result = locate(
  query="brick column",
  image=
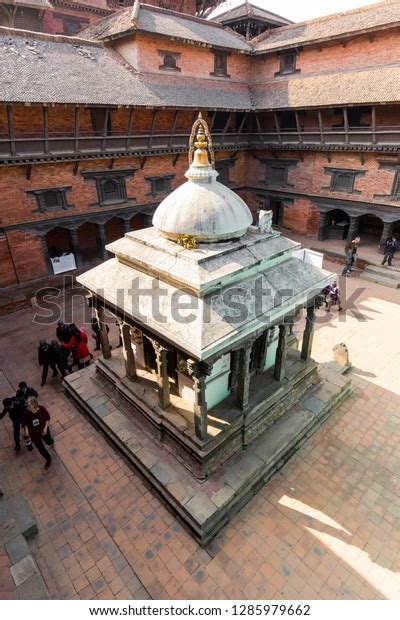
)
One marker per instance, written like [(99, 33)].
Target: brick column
[(308, 335), (46, 254), (323, 219), (199, 372), (101, 241), (387, 231), (104, 342), (73, 238), (353, 228), (281, 352), (129, 356), (243, 388)]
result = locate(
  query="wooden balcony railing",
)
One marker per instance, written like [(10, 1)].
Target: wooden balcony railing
[(31, 146)]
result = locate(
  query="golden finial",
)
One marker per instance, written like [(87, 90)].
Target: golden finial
[(200, 139)]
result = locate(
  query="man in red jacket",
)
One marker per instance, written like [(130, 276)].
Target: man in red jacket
[(36, 425)]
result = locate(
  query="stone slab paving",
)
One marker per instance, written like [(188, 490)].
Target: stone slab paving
[(326, 526)]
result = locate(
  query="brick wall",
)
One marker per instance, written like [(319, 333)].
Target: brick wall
[(141, 51), (361, 51)]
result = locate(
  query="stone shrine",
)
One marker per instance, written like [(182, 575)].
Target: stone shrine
[(209, 395)]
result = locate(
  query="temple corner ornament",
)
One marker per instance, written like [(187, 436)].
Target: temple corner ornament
[(265, 221), (189, 242)]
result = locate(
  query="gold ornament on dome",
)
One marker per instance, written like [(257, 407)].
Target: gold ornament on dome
[(189, 242), (200, 144)]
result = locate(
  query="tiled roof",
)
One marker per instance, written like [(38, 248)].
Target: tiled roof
[(359, 86), (383, 14), (166, 23), (34, 4), (250, 10), (48, 69)]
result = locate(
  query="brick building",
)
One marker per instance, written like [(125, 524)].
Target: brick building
[(93, 130)]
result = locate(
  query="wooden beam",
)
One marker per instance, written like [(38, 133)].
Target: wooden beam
[(259, 128), (105, 127), (28, 172), (76, 168), (298, 126), (46, 128), (11, 135), (321, 127), (373, 123), (212, 121), (171, 136), (111, 164), (346, 125), (76, 131), (278, 129), (152, 126), (225, 130), (175, 159), (129, 130), (244, 119), (142, 162), (328, 156)]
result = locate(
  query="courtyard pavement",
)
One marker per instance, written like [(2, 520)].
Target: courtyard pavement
[(327, 526)]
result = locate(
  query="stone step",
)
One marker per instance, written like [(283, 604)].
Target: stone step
[(385, 272), (205, 506), (370, 276)]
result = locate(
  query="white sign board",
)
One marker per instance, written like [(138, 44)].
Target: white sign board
[(63, 263), (309, 256)]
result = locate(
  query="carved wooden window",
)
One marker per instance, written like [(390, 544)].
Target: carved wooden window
[(288, 63), (277, 175), (71, 26), (223, 167), (160, 185), (342, 182), (50, 199), (169, 60), (111, 190), (220, 64)]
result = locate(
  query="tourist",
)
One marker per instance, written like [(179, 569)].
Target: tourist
[(36, 426), (350, 256), (16, 410), (57, 355), (96, 333), (25, 392), (389, 249), (63, 333), (46, 359), (78, 345), (332, 297)]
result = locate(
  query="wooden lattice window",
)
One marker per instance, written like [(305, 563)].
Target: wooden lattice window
[(288, 62), (220, 64), (169, 60)]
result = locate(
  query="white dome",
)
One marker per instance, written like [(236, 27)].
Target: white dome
[(203, 208)]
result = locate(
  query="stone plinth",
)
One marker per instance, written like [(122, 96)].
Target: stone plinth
[(206, 506)]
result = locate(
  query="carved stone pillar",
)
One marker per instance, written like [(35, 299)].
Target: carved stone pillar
[(104, 342), (101, 241), (126, 225), (129, 356), (387, 231), (162, 374), (353, 228), (281, 352), (233, 379), (73, 239), (308, 334), (199, 372), (243, 388), (323, 220)]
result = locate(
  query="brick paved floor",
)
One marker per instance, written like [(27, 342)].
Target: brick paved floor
[(327, 526)]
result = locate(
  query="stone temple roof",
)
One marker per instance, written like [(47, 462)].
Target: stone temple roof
[(157, 21), (34, 4), (203, 280)]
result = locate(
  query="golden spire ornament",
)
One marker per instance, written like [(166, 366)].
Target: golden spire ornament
[(200, 144)]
